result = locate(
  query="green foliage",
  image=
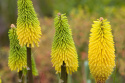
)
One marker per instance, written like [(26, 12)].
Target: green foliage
[(17, 56), (89, 6), (34, 69), (59, 5), (8, 6), (46, 7)]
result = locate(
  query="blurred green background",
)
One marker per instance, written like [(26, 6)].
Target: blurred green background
[(81, 14)]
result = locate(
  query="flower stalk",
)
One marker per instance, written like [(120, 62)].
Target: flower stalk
[(64, 73), (21, 78), (29, 66)]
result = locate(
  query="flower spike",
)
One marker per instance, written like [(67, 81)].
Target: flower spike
[(28, 26), (101, 55), (17, 56), (63, 48)]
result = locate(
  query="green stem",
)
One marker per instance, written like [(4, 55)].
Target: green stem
[(21, 80), (69, 78), (29, 66), (64, 73)]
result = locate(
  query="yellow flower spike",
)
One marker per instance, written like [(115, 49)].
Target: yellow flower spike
[(17, 55), (28, 26), (101, 55), (63, 48)]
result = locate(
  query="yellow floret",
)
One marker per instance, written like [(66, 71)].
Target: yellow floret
[(68, 55), (29, 36)]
